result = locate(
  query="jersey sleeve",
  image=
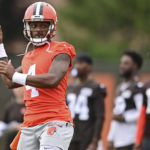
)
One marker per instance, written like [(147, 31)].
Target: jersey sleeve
[(141, 126), (132, 116), (65, 48), (138, 98)]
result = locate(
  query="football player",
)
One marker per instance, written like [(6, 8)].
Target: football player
[(142, 141), (43, 73), (127, 104), (85, 98)]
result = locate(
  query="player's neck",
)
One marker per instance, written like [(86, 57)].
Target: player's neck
[(84, 78), (130, 78), (39, 46)]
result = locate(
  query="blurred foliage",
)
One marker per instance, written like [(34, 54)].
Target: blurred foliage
[(105, 28)]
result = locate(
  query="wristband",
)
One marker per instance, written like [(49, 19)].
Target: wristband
[(2, 51), (19, 78)]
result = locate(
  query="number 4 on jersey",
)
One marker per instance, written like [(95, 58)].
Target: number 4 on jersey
[(34, 91)]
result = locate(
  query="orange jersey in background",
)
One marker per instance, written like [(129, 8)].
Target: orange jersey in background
[(141, 126), (44, 105)]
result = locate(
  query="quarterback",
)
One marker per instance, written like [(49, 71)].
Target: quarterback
[(43, 73)]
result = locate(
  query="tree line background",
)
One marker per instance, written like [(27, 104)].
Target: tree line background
[(103, 28)]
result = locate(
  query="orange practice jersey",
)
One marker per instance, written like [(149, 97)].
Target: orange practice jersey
[(44, 105)]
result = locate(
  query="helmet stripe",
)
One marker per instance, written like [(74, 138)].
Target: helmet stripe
[(41, 9), (34, 9), (38, 8)]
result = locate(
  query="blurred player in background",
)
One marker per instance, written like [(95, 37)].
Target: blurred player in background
[(13, 116), (44, 71), (85, 98), (142, 141), (128, 102)]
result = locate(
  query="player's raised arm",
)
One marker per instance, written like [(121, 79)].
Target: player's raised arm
[(51, 79), (56, 73)]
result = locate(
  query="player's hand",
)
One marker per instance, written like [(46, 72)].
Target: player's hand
[(7, 69), (118, 118), (137, 147), (1, 35)]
